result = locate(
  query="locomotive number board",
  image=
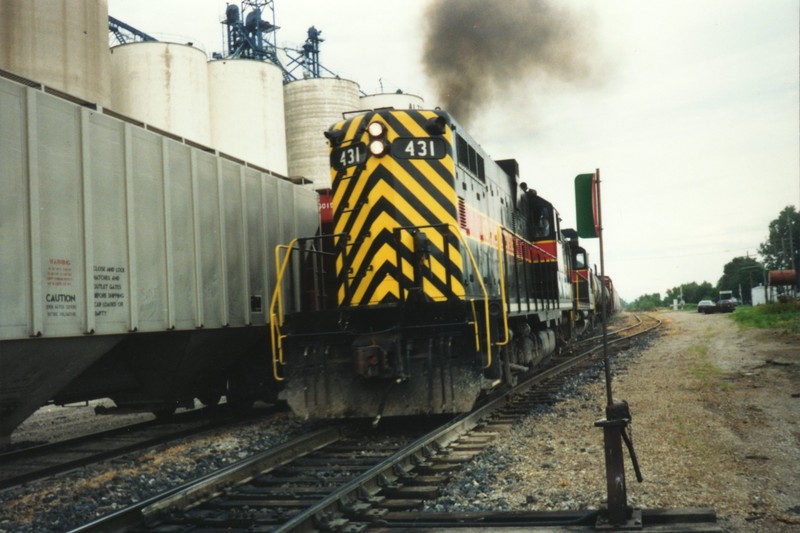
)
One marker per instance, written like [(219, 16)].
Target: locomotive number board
[(419, 148), (348, 156)]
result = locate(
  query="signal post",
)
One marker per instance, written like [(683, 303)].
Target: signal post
[(617, 515)]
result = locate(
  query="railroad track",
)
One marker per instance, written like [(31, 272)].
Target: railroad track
[(642, 324), (39, 462), (350, 478)]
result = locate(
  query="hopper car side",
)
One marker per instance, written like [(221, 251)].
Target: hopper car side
[(135, 265)]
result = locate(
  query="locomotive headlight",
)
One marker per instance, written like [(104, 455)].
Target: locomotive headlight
[(377, 147), (376, 129)]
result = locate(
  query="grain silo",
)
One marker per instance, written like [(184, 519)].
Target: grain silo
[(312, 106), (163, 84), (247, 112), (398, 100), (60, 43)]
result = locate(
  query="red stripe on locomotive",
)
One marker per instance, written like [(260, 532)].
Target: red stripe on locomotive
[(580, 275), (546, 252)]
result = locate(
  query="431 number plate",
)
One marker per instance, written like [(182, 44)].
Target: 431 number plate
[(348, 156), (419, 148)]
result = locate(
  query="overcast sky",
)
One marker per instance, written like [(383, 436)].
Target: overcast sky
[(691, 113)]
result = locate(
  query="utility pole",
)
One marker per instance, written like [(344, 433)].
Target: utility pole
[(791, 248)]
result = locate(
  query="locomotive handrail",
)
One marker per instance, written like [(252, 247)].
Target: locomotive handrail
[(456, 231), (576, 303), (277, 312), (501, 259), (475, 326), (276, 309), (276, 318), (277, 296)]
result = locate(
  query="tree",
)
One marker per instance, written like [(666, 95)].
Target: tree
[(646, 302), (705, 291), (692, 292), (783, 241), (740, 275)]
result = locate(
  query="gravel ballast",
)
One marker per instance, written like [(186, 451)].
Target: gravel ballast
[(76, 498), (715, 424)]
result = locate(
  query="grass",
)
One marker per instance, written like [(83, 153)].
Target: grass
[(703, 370), (783, 317), (708, 392)]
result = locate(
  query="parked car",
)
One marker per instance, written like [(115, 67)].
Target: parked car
[(727, 305), (706, 306)]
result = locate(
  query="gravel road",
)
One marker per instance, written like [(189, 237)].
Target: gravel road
[(715, 424)]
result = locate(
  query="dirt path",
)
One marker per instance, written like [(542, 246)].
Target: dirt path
[(716, 423), (718, 412)]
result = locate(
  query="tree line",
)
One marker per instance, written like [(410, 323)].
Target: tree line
[(781, 251)]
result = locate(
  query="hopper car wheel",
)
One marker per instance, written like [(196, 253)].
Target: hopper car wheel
[(164, 413), (240, 402), (210, 399), (239, 393), (250, 382)]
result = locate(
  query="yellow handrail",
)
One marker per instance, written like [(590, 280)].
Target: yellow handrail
[(474, 324), (502, 287), (276, 305), (276, 316), (456, 231), (576, 292)]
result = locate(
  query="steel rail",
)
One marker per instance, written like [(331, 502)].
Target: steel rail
[(628, 337), (342, 500), (611, 332), (138, 514), (370, 481), (153, 432)]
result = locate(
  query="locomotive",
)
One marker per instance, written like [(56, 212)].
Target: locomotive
[(588, 289), (443, 276)]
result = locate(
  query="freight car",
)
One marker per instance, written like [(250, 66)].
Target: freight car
[(444, 276), (611, 296), (133, 264)]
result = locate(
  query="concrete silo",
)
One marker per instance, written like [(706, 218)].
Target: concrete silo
[(312, 105), (247, 111), (60, 43), (165, 85)]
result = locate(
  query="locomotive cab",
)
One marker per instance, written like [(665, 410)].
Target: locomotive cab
[(585, 283)]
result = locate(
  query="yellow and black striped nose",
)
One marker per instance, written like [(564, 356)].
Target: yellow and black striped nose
[(394, 202)]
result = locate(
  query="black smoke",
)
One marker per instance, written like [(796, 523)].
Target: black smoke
[(475, 50)]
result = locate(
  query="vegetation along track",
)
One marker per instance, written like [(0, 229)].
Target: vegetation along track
[(347, 477), (38, 462)]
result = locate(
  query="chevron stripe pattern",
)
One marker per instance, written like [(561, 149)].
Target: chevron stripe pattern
[(378, 204)]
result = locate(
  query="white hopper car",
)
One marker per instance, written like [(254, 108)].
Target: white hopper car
[(133, 264)]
